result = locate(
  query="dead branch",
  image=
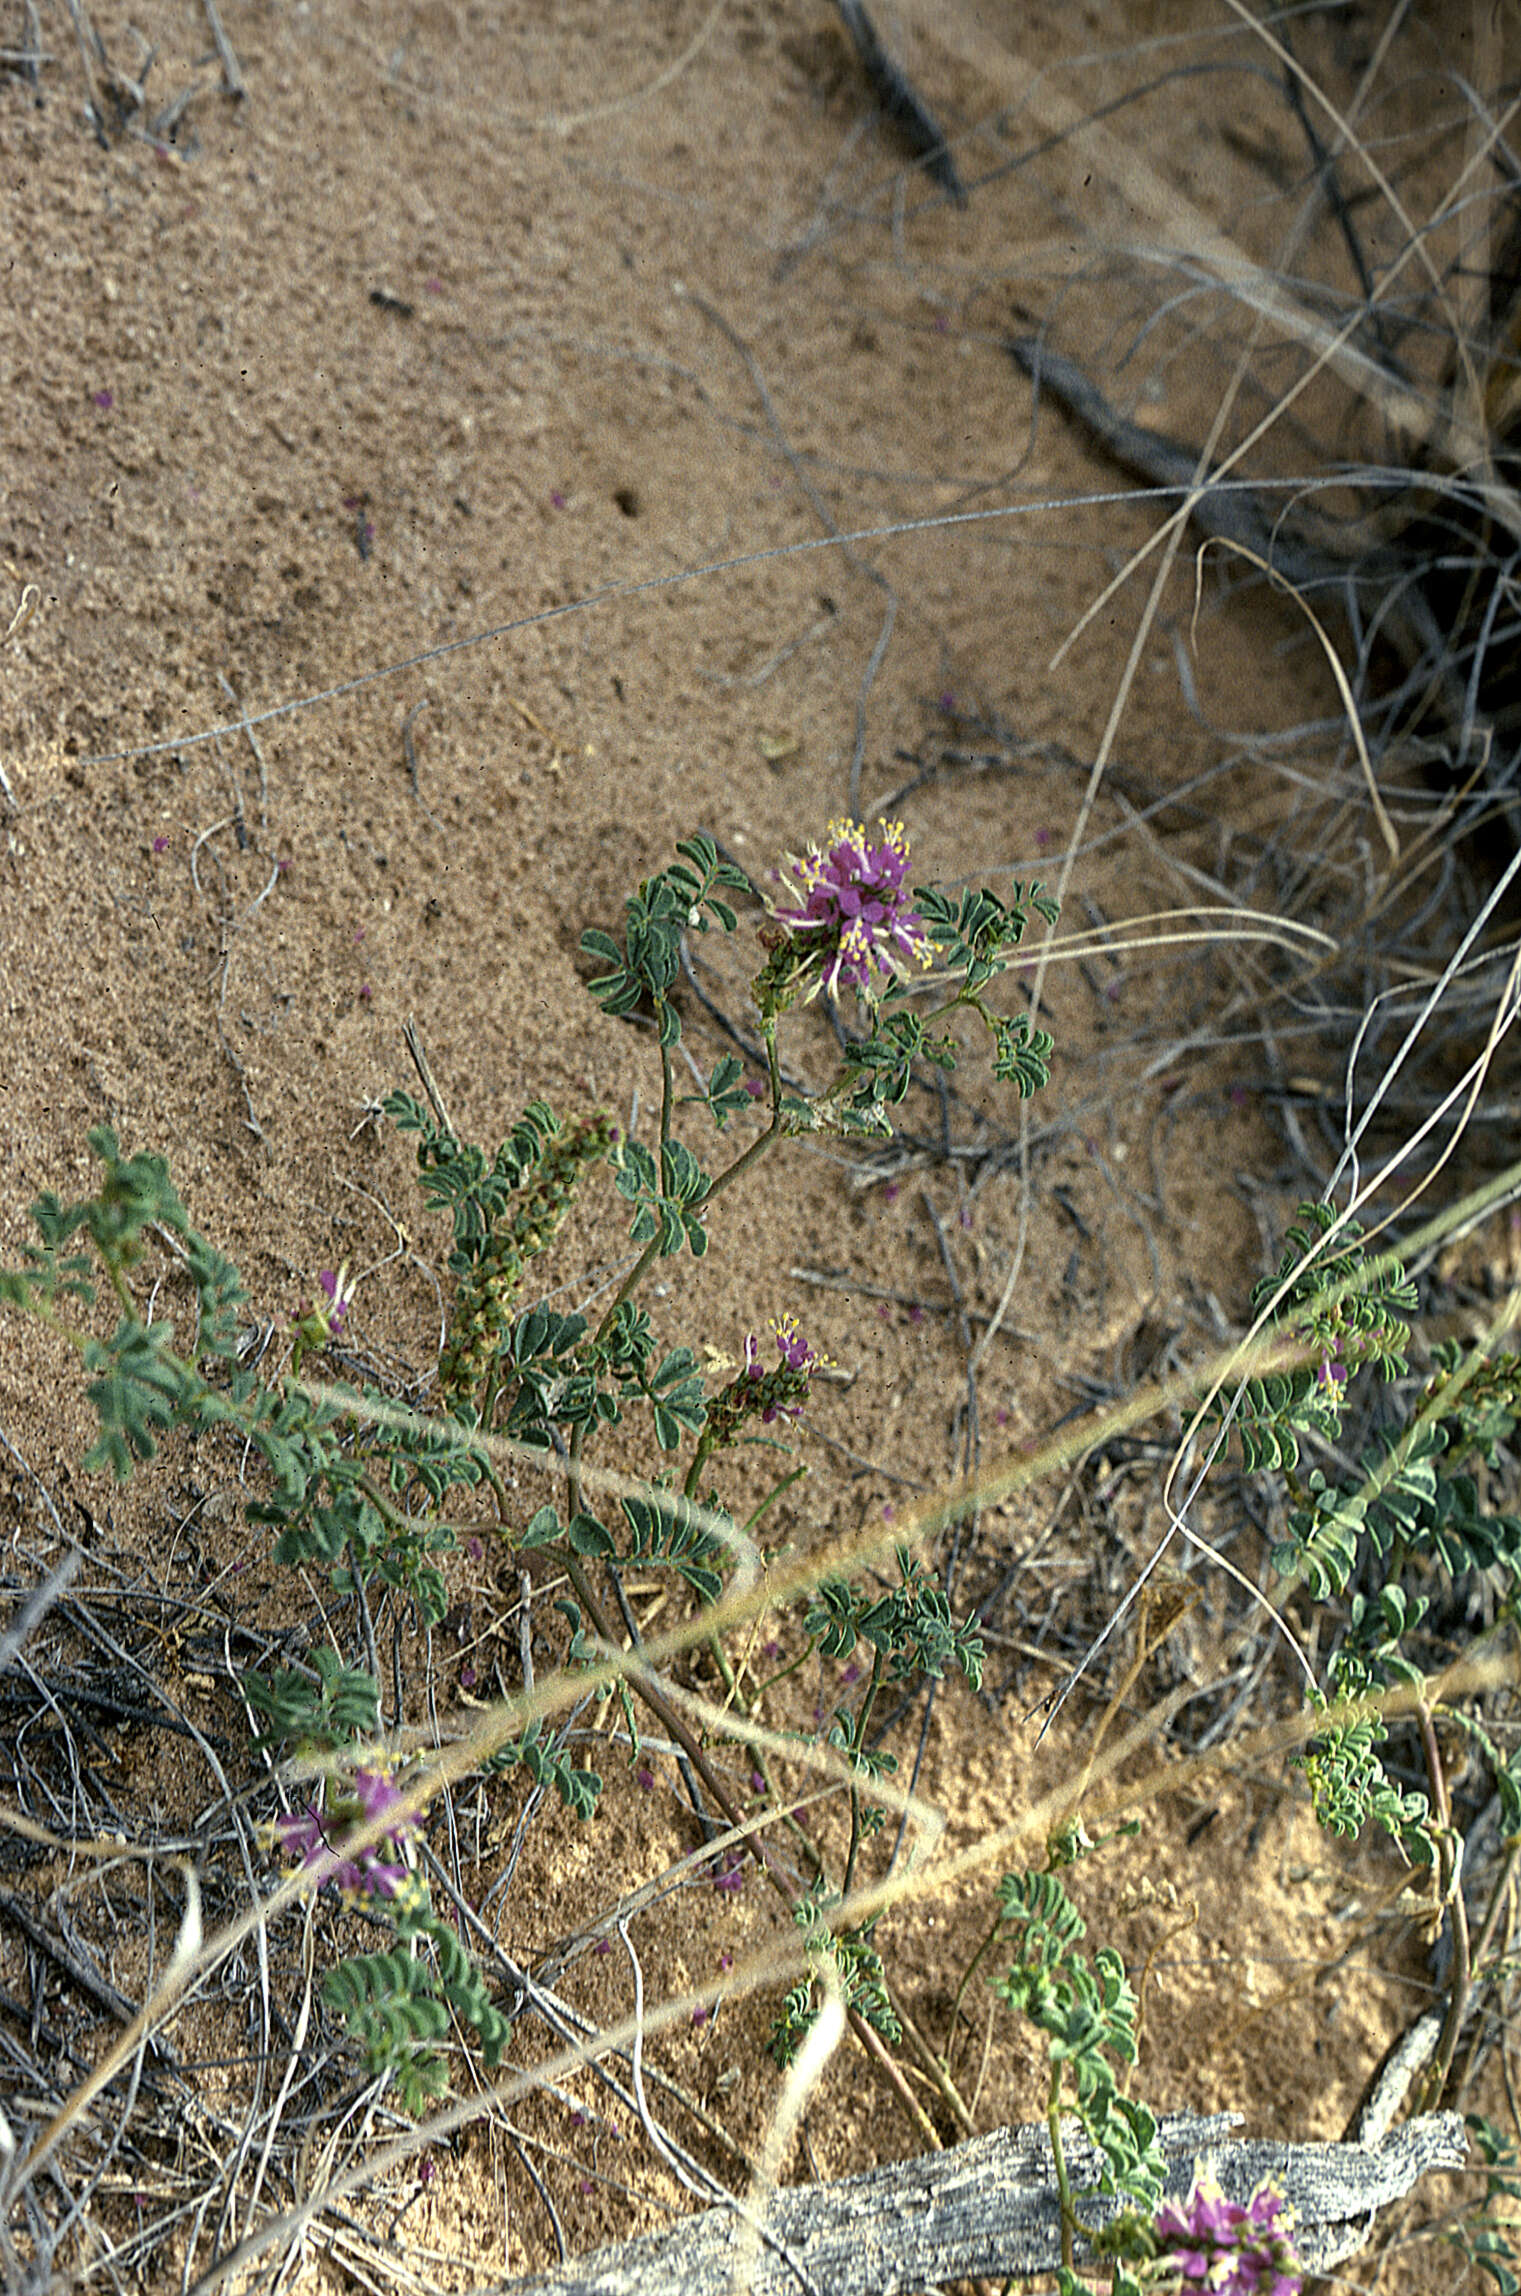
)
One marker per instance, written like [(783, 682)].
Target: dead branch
[(990, 2207)]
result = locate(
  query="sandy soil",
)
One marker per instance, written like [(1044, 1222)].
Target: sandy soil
[(433, 469)]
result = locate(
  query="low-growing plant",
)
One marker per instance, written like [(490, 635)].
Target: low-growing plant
[(1417, 1514), (355, 1488), (362, 1491), (1414, 1516), (1486, 2234)]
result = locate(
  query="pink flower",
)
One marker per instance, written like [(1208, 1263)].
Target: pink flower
[(1220, 2247), (316, 1836), (780, 1394), (315, 1325), (105, 401), (338, 1299), (854, 921), (160, 844)]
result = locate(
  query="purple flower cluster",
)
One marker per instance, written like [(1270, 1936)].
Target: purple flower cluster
[(776, 1394), (854, 915), (785, 1390), (373, 1872), (1220, 2247), (316, 1323), (728, 1872)]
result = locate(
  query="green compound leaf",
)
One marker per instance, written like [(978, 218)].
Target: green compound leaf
[(910, 1625), (726, 1093), (975, 933), (666, 1530), (457, 1178), (140, 1389), (1344, 1304), (391, 2007), (681, 899), (1348, 1783), (675, 1390), (858, 1967), (1022, 1055), (668, 1199), (1484, 2235), (1088, 2012), (548, 1764), (340, 1708)]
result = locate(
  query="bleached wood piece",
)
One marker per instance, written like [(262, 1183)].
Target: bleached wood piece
[(990, 2207)]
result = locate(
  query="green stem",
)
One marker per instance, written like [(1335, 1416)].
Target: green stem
[(721, 1661), (1485, 1939), (667, 1091), (741, 1163), (782, 1672), (119, 1286), (857, 1739), (774, 1493), (700, 1458), (726, 1179), (969, 1974)]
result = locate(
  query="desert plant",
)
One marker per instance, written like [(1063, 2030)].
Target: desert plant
[(361, 1491)]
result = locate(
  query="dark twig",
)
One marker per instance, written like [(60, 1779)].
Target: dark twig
[(72, 1958), (414, 1046), (902, 103), (1230, 511)]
